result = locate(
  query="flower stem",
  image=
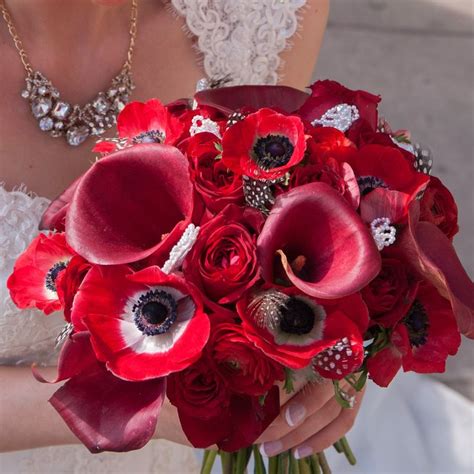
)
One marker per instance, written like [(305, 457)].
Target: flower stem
[(347, 451), (338, 447), (259, 464), (283, 463), (208, 461), (323, 462), (273, 465), (240, 461), (294, 465), (304, 466), (226, 461), (315, 466)]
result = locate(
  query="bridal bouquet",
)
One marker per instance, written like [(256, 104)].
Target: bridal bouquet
[(220, 249)]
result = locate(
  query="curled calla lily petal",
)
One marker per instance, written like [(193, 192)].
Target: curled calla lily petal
[(317, 241), (432, 254), (230, 99), (130, 204)]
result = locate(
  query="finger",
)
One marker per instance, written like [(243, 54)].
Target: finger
[(333, 432), (313, 424)]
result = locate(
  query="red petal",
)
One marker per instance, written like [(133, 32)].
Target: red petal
[(230, 99), (314, 222), (384, 365), (432, 254), (129, 204)]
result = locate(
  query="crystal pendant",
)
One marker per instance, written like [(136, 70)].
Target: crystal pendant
[(76, 135), (101, 105), (41, 106), (61, 110), (46, 124)]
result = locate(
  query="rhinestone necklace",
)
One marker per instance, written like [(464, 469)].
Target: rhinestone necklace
[(74, 122)]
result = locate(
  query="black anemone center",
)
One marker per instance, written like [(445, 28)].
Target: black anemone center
[(155, 312), (272, 151), (52, 275), (150, 136), (417, 324), (369, 183), (297, 317)]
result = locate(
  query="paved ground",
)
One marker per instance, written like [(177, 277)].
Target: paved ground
[(418, 54)]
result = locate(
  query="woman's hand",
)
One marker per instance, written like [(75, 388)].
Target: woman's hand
[(310, 421)]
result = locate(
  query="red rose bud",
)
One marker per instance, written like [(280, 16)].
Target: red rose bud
[(130, 204), (315, 240), (33, 283), (264, 145), (438, 207)]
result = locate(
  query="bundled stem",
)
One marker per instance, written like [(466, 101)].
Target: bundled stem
[(208, 461)]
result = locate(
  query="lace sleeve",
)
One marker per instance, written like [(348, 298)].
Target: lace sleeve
[(241, 39)]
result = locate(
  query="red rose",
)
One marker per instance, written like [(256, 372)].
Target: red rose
[(438, 207), (245, 367), (223, 262), (217, 185), (391, 293), (264, 145)]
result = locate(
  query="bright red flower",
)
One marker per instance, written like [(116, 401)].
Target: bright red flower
[(314, 239), (217, 185), (246, 368), (421, 342), (223, 261), (439, 207), (264, 145), (144, 325), (33, 281), (293, 329), (148, 122), (131, 204), (327, 94)]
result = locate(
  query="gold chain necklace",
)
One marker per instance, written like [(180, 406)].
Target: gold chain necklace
[(74, 122)]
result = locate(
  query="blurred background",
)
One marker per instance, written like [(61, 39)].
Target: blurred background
[(419, 56)]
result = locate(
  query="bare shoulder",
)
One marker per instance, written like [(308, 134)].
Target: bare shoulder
[(300, 60)]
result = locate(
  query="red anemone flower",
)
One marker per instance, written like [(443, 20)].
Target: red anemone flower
[(315, 240), (144, 325), (293, 329), (33, 281), (130, 204), (421, 342), (264, 145)]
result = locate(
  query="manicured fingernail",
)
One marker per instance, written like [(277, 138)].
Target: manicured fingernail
[(303, 452), (271, 448), (295, 414)]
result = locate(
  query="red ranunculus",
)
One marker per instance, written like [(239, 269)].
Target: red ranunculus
[(438, 206), (223, 262), (33, 281), (422, 340), (217, 185), (264, 145), (293, 329), (327, 94), (143, 325), (390, 295), (314, 239), (246, 368)]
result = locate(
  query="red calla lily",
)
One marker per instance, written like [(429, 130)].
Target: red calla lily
[(432, 254), (319, 242), (130, 204)]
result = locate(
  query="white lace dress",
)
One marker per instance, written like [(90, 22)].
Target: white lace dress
[(240, 39)]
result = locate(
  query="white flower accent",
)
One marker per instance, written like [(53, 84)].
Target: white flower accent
[(341, 116), (181, 249), (383, 233), (201, 124)]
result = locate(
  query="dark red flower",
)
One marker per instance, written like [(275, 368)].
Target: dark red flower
[(431, 254), (246, 368), (130, 204), (328, 94), (438, 207), (223, 262), (33, 281), (421, 342), (315, 240), (211, 414), (103, 411), (148, 122), (293, 329), (217, 185), (390, 295), (264, 145), (144, 325)]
